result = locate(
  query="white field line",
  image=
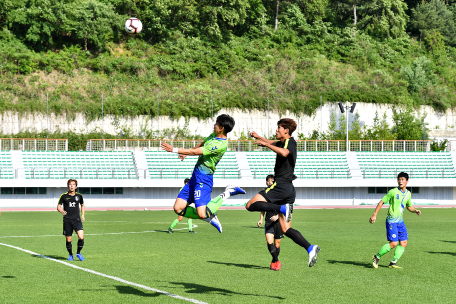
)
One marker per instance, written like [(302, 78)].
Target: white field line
[(111, 233), (108, 276)]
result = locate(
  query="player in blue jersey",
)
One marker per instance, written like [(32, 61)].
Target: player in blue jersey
[(198, 189)]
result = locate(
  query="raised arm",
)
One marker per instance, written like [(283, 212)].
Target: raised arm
[(377, 209), (256, 136), (193, 151)]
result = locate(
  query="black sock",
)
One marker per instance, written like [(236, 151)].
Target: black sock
[(80, 245), (263, 206), (273, 251), (208, 213), (278, 252), (297, 237), (69, 248)]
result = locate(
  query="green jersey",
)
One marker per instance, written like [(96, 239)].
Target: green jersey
[(397, 201), (213, 150)]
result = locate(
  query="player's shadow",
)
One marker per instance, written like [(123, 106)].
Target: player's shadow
[(8, 277), (454, 242), (198, 288), (248, 266), (55, 257), (128, 290), (365, 265), (436, 252)]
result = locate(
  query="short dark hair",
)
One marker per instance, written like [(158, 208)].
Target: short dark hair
[(403, 174), (72, 180), (288, 123), (269, 176), (186, 181), (226, 121)]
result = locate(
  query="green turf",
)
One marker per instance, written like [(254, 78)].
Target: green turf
[(229, 267)]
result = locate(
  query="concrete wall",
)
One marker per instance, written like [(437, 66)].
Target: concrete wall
[(441, 124), (165, 197)]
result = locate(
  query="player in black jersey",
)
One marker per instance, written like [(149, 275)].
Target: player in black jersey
[(69, 206), (272, 230), (282, 193)]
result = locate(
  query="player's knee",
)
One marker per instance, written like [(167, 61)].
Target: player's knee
[(393, 244), (404, 244), (68, 238), (177, 210)]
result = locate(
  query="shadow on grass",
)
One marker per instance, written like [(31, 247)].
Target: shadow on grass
[(253, 227), (449, 253), (134, 291), (55, 257), (9, 277), (240, 265), (365, 265), (201, 289), (454, 242)]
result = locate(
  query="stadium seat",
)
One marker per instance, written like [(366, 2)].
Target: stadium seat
[(6, 165), (87, 164), (417, 165)]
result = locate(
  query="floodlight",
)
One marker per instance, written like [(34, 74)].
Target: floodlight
[(341, 107)]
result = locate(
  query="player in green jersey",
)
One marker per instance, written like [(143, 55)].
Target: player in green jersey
[(180, 217), (398, 199), (199, 188)]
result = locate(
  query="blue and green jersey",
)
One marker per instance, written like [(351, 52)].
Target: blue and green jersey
[(213, 150), (397, 201)]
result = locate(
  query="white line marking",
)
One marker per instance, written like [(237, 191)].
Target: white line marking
[(111, 233), (108, 276)]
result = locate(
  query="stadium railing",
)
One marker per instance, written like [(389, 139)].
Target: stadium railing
[(249, 145), (34, 144)]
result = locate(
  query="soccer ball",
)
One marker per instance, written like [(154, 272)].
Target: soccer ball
[(145, 209), (133, 26)]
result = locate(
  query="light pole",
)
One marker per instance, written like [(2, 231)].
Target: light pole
[(343, 109)]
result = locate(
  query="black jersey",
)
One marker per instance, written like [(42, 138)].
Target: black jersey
[(284, 166), (268, 216), (70, 204)]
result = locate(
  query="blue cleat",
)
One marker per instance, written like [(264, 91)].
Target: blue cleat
[(216, 223), (285, 210), (313, 252), (80, 257), (70, 258), (233, 190)]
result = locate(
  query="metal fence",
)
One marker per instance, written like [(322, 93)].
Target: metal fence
[(106, 173), (33, 144), (249, 145)]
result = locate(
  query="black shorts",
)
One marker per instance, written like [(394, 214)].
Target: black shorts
[(70, 225), (280, 194), (273, 228)]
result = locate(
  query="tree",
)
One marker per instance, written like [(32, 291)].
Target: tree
[(384, 18), (420, 74), (93, 22), (434, 16), (407, 126), (380, 130), (313, 9), (39, 22)]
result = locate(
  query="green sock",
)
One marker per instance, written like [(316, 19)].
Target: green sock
[(215, 204), (174, 223), (189, 212), (189, 224), (398, 253), (384, 250)]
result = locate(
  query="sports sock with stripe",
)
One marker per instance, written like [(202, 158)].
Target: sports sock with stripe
[(80, 245), (384, 250), (174, 223), (398, 253), (189, 224), (297, 237), (69, 247), (273, 251)]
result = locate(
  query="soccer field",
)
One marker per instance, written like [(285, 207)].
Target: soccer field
[(131, 259)]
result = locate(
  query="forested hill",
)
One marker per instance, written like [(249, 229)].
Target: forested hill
[(238, 51)]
